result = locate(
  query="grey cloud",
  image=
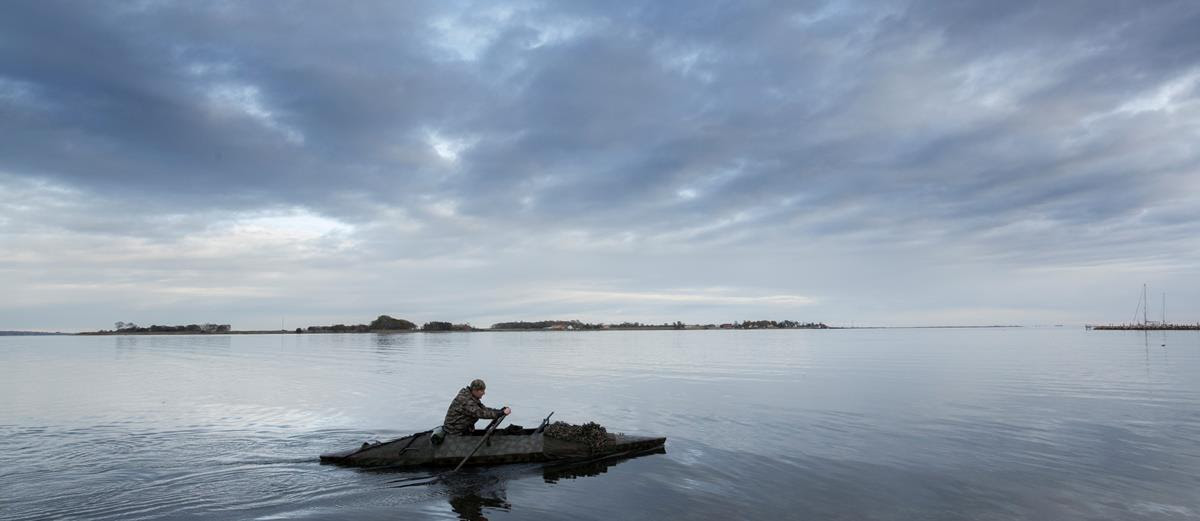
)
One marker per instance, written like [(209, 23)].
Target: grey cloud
[(599, 115), (992, 131)]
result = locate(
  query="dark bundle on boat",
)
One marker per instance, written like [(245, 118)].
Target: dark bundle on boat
[(591, 433)]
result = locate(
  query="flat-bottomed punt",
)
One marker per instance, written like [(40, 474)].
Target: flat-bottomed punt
[(503, 446)]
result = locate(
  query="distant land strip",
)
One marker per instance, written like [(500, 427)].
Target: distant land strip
[(31, 333), (388, 324)]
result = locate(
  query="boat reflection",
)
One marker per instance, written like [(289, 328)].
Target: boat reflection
[(552, 473), (473, 493)]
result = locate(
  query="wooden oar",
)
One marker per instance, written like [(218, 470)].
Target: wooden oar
[(426, 480), (491, 428)]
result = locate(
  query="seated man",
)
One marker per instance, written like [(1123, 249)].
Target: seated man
[(466, 409)]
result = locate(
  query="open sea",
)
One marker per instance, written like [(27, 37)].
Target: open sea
[(980, 424)]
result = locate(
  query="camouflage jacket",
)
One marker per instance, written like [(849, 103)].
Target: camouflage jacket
[(464, 411)]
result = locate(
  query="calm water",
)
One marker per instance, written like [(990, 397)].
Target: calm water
[(864, 424)]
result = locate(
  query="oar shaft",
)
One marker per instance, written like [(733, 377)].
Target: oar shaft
[(480, 444)]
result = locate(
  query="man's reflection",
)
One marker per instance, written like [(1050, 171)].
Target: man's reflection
[(472, 494), (468, 497)]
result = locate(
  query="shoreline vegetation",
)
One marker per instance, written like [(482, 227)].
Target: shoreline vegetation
[(388, 324)]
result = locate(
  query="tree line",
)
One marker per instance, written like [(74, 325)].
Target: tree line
[(578, 325), (547, 324), (387, 323), (130, 327), (782, 324)]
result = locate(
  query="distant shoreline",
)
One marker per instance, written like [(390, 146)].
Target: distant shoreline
[(407, 331), (33, 333)]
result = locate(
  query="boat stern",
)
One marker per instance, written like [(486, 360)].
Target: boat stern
[(338, 457)]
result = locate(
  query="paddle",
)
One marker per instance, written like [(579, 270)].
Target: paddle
[(425, 480), (490, 428)]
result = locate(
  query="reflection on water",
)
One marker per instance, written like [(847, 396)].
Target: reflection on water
[(469, 491), (204, 343), (471, 494), (394, 343), (469, 501), (553, 472)]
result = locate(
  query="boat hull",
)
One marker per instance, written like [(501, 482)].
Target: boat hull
[(527, 445)]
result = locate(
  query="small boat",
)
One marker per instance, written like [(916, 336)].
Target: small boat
[(513, 445)]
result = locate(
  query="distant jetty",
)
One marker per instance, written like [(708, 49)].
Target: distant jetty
[(1153, 326)]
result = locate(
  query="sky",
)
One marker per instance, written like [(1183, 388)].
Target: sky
[(268, 164)]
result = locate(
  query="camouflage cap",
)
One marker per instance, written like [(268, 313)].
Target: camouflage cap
[(477, 385)]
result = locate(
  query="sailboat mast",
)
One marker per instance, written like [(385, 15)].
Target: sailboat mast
[(1145, 306)]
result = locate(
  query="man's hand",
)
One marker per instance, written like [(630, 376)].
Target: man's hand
[(507, 411)]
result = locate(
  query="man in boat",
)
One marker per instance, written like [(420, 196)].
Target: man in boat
[(466, 409)]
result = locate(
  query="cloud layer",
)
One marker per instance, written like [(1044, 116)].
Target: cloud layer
[(882, 162)]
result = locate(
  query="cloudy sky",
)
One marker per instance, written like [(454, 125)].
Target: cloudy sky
[(886, 163)]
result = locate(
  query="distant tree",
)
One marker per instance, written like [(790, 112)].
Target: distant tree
[(546, 324), (437, 326), (389, 323), (339, 328)]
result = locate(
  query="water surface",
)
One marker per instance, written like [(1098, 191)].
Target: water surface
[(1055, 423)]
